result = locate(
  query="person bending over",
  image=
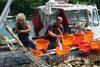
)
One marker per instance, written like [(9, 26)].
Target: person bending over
[(23, 28)]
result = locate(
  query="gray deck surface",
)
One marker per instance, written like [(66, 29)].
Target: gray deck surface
[(10, 59)]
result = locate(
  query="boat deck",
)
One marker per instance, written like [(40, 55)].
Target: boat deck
[(19, 59)]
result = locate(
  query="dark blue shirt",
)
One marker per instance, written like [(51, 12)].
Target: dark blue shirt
[(53, 28)]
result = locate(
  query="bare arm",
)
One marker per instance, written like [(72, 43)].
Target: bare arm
[(15, 30), (28, 28), (52, 34)]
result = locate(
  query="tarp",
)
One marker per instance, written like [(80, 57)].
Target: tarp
[(37, 22), (65, 18)]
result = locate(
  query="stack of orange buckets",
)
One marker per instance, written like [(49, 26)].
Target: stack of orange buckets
[(85, 42)]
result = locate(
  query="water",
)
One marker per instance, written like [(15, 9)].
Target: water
[(11, 23)]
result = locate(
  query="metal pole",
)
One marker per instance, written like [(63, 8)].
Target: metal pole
[(5, 13)]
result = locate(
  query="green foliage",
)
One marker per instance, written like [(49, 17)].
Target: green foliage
[(2, 5), (27, 6), (85, 1), (24, 6), (0, 42)]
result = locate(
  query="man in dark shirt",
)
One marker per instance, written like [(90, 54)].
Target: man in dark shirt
[(54, 31)]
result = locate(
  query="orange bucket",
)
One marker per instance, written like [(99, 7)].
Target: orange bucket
[(42, 44), (84, 46), (67, 40), (78, 38), (88, 36), (37, 53), (63, 51), (95, 45)]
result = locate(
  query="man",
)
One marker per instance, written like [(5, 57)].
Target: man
[(54, 31), (23, 28)]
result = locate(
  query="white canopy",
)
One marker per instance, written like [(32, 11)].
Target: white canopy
[(52, 4)]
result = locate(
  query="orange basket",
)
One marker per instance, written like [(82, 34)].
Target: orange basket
[(67, 40), (84, 46), (65, 50), (95, 46), (88, 36), (37, 53), (42, 44), (78, 38)]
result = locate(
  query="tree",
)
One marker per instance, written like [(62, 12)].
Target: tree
[(2, 5), (25, 6)]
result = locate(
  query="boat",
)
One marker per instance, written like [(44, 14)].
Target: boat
[(10, 17), (74, 13)]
